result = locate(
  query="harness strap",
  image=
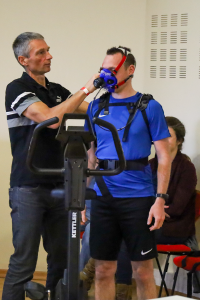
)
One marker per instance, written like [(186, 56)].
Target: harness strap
[(104, 103), (136, 165), (103, 187), (141, 104), (144, 114), (132, 112)]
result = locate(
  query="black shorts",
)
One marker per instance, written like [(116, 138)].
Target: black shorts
[(117, 219)]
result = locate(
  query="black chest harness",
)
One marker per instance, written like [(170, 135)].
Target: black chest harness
[(136, 165)]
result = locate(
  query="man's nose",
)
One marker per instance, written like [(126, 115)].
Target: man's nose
[(49, 56)]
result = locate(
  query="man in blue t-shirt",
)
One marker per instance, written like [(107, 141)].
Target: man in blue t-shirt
[(130, 211)]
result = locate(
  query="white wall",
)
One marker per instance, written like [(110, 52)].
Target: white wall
[(178, 96), (79, 33)]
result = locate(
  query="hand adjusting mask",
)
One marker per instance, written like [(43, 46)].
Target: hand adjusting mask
[(107, 79)]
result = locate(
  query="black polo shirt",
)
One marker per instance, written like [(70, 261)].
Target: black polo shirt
[(21, 93)]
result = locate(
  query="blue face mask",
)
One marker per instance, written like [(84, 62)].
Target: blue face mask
[(109, 80)]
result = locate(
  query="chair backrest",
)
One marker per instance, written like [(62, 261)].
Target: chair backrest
[(197, 205)]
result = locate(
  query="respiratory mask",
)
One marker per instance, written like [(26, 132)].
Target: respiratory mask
[(107, 79)]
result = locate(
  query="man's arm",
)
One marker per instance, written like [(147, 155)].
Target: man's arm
[(163, 175), (40, 112), (82, 109)]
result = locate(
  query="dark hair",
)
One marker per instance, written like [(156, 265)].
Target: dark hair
[(178, 128), (130, 59), (22, 41)]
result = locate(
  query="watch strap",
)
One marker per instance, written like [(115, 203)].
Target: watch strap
[(164, 196)]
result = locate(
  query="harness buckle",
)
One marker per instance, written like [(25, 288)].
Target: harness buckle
[(112, 164)]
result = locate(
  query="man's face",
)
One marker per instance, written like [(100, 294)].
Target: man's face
[(111, 62), (39, 60)]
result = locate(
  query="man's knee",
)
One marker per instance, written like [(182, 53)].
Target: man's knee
[(105, 269), (143, 270)]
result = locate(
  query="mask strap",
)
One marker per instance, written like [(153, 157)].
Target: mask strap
[(122, 61), (119, 65), (122, 82)]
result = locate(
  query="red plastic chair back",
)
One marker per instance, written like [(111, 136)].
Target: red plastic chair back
[(189, 262)]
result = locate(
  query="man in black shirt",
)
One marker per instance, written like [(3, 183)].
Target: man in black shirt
[(32, 99)]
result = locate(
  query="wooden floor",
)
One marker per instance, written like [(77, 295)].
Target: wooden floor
[(91, 292)]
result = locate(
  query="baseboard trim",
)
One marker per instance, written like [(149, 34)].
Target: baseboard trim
[(38, 275)]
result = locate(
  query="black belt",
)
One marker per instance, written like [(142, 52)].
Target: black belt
[(136, 165)]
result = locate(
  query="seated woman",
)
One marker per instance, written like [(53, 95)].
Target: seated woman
[(179, 228)]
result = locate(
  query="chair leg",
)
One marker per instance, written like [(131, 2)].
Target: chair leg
[(190, 277), (189, 285), (174, 281), (161, 275), (197, 279), (163, 283)]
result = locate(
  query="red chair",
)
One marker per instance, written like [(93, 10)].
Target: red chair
[(191, 263), (169, 250), (175, 250)]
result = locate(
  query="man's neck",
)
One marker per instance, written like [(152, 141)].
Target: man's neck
[(38, 78), (125, 93)]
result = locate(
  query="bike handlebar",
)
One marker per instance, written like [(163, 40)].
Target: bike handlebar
[(118, 147), (89, 172), (30, 156)]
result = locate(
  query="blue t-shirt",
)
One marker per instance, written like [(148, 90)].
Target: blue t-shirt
[(132, 183)]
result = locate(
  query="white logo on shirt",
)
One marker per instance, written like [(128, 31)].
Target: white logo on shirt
[(143, 253), (100, 116), (58, 99)]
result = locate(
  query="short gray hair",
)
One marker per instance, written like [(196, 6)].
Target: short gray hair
[(21, 43)]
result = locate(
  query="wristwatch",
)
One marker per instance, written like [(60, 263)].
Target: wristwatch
[(164, 196)]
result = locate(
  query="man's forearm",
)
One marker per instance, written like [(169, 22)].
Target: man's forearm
[(163, 174), (82, 109), (68, 106)]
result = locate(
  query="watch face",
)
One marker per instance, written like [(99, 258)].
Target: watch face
[(164, 196)]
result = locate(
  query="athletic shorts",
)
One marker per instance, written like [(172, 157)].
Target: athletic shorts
[(118, 219)]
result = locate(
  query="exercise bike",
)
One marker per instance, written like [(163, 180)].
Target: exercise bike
[(75, 141)]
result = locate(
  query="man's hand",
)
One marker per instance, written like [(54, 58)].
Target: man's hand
[(158, 213), (89, 85)]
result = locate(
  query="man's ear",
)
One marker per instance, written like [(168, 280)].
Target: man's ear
[(23, 60), (131, 69)]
